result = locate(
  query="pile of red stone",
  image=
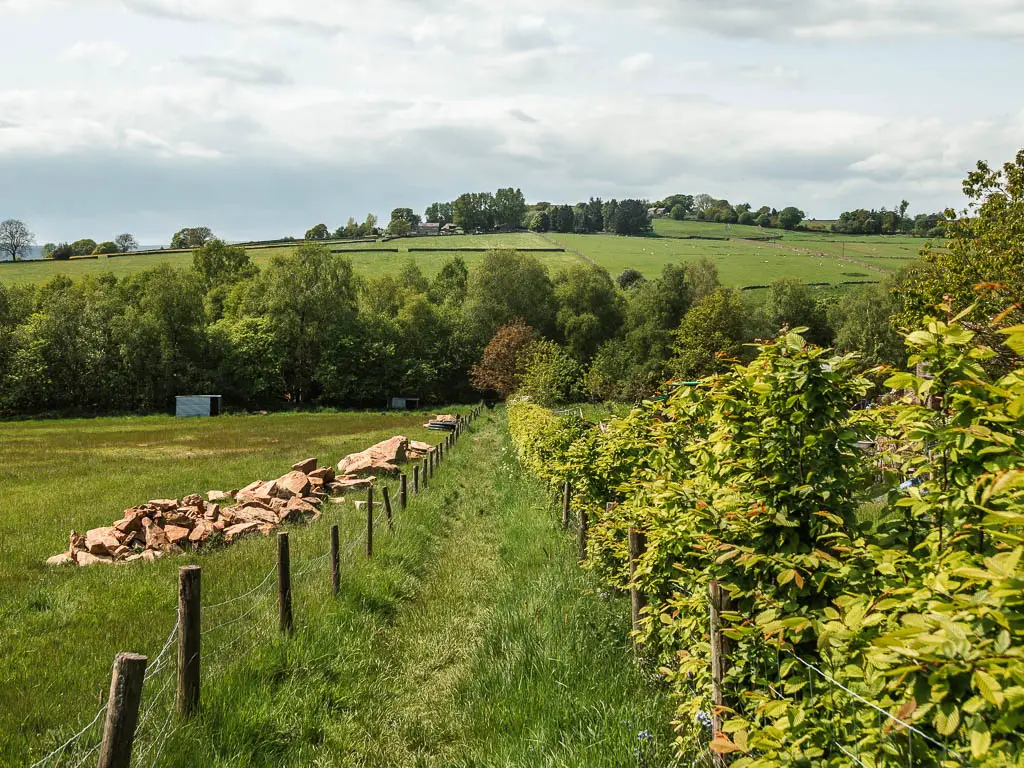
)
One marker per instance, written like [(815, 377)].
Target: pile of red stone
[(167, 526), (357, 470)]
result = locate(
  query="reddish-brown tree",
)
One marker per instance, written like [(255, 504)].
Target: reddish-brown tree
[(501, 366)]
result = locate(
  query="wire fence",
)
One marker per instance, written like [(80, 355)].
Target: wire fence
[(236, 624)]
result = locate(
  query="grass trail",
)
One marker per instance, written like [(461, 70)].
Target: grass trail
[(471, 639)]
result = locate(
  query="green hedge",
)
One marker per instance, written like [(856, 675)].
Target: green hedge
[(913, 602)]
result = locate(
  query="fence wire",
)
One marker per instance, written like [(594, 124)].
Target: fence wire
[(153, 732)]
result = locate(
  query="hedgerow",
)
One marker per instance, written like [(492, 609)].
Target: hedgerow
[(897, 637)]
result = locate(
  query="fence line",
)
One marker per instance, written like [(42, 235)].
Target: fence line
[(163, 661)]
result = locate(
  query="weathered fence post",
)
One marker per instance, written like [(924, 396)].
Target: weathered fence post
[(566, 495), (584, 523), (335, 562), (189, 636), (369, 521), (426, 466), (637, 547), (387, 507), (284, 583), (122, 710), (719, 650), (416, 479), (403, 492)]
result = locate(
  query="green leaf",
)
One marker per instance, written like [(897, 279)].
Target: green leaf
[(981, 740), (988, 687), (947, 718)]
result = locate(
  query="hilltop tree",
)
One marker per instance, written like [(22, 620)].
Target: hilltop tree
[(15, 238), (790, 217), (191, 237), (220, 264), (439, 213), (509, 208), (83, 247), (403, 221), (105, 248), (319, 232), (62, 252), (474, 210), (631, 217), (126, 243), (47, 250)]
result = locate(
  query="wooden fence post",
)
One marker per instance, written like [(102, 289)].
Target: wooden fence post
[(284, 583), (403, 492), (416, 479), (189, 637), (369, 521), (335, 562), (387, 508), (426, 466), (719, 649), (637, 547), (584, 523), (122, 710), (566, 495)]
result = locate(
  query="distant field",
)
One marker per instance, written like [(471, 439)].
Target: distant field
[(365, 263), (833, 258)]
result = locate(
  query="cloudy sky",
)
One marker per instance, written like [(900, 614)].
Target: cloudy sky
[(260, 118)]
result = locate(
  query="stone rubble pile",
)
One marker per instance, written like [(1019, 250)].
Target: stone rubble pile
[(162, 527)]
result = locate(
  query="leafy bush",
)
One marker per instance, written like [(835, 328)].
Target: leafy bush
[(755, 479)]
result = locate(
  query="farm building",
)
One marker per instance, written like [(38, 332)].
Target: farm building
[(187, 406), (429, 228), (405, 403)]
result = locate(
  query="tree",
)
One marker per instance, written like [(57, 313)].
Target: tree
[(15, 238), (84, 247), (631, 217), (509, 208), (678, 212), (790, 217), (474, 210), (790, 303), (369, 227), (629, 278), (47, 250), (62, 252), (105, 248), (411, 277), (550, 376), (863, 323), (319, 232), (540, 221), (590, 309), (451, 284), (439, 213), (982, 260), (504, 360), (508, 286), (191, 237), (220, 264), (710, 334), (403, 221), (126, 243), (702, 203)]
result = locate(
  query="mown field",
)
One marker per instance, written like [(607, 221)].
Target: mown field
[(814, 257), (471, 638)]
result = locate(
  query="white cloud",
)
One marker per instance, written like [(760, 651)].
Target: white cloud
[(637, 63), (101, 52)]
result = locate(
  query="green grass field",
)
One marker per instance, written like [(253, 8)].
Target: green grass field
[(471, 639), (813, 257)]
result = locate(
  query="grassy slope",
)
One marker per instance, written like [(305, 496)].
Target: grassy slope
[(471, 639), (365, 263)]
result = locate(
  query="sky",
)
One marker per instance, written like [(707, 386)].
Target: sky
[(261, 118)]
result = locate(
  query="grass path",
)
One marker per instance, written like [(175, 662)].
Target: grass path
[(471, 639)]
